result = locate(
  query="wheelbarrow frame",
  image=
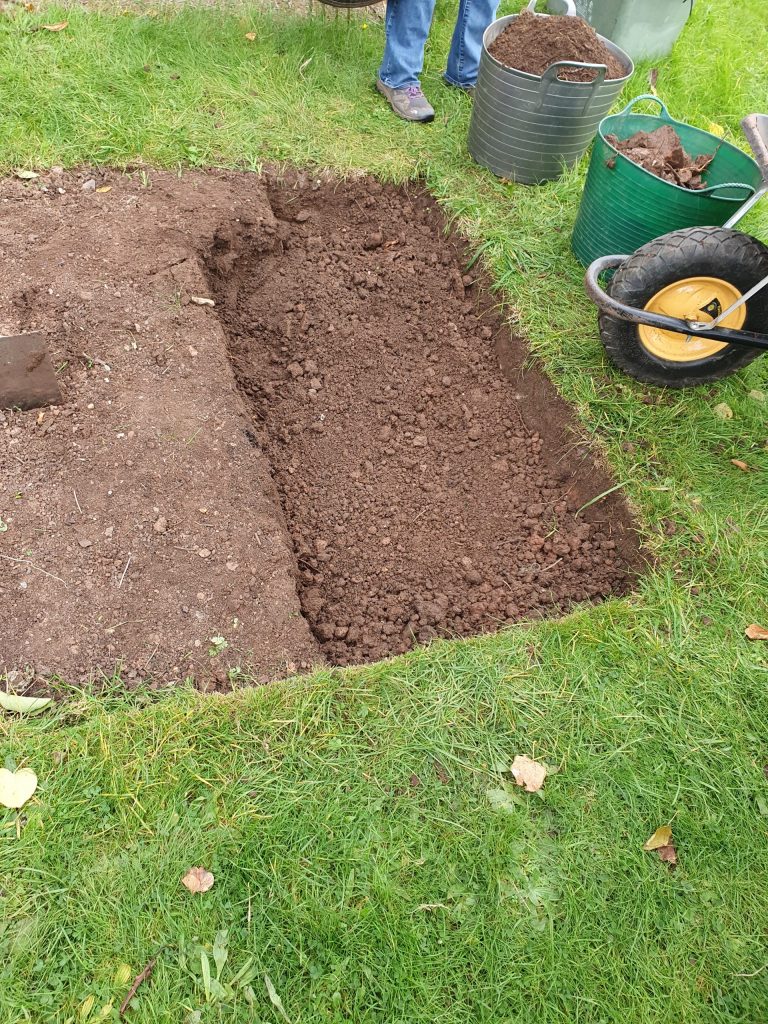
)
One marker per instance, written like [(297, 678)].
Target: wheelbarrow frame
[(755, 128)]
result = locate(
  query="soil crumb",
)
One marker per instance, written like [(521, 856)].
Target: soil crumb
[(533, 42), (661, 152)]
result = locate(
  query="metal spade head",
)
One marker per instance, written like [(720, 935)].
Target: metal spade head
[(27, 378)]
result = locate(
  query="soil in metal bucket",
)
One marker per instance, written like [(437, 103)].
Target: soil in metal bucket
[(368, 478), (533, 42), (661, 152)]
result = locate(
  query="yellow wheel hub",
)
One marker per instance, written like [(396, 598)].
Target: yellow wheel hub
[(693, 298)]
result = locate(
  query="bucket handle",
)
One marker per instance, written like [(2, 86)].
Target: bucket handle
[(712, 191), (663, 112), (550, 76), (570, 7)]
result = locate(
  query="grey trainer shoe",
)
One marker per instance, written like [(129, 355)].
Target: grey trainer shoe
[(410, 103)]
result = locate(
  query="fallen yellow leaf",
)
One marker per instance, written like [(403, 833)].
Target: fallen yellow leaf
[(58, 27), (528, 773), (723, 411), (755, 632), (104, 188), (198, 880), (740, 465), (660, 837), (250, 36), (16, 787), (716, 129)]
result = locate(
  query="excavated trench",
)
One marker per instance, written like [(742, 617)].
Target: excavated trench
[(431, 483)]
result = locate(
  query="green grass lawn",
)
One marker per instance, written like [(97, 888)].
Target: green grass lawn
[(359, 860)]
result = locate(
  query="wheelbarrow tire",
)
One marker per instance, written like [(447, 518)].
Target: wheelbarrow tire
[(722, 253)]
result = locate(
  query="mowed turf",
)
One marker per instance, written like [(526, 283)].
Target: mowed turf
[(360, 862)]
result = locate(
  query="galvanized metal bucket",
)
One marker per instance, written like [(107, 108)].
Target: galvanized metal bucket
[(529, 128)]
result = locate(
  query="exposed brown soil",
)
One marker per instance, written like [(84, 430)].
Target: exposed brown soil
[(661, 152), (414, 489), (145, 521), (425, 494), (533, 42)]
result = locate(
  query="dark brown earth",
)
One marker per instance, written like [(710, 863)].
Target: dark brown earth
[(414, 489), (533, 42), (661, 152), (425, 493)]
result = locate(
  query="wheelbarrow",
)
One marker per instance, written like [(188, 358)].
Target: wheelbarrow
[(691, 306)]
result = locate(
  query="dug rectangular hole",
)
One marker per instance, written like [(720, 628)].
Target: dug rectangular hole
[(432, 481)]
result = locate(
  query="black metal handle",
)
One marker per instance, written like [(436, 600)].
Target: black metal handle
[(666, 323)]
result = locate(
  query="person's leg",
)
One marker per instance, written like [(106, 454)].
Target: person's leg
[(407, 27), (464, 58)]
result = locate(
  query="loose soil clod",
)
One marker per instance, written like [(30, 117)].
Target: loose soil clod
[(384, 477), (661, 152), (532, 43)]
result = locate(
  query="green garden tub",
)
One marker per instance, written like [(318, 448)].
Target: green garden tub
[(624, 206)]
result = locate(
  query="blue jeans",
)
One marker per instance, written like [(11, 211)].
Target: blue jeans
[(407, 27)]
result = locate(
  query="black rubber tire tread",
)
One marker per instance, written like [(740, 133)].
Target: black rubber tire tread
[(707, 252)]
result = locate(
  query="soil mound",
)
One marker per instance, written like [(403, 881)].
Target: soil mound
[(533, 43)]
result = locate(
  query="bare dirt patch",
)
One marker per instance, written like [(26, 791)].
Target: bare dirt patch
[(366, 479)]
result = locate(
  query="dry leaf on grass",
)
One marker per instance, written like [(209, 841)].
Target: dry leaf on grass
[(661, 837), (661, 842), (667, 854), (723, 411), (740, 465), (16, 787), (198, 880), (755, 632), (58, 27), (528, 773), (250, 36)]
